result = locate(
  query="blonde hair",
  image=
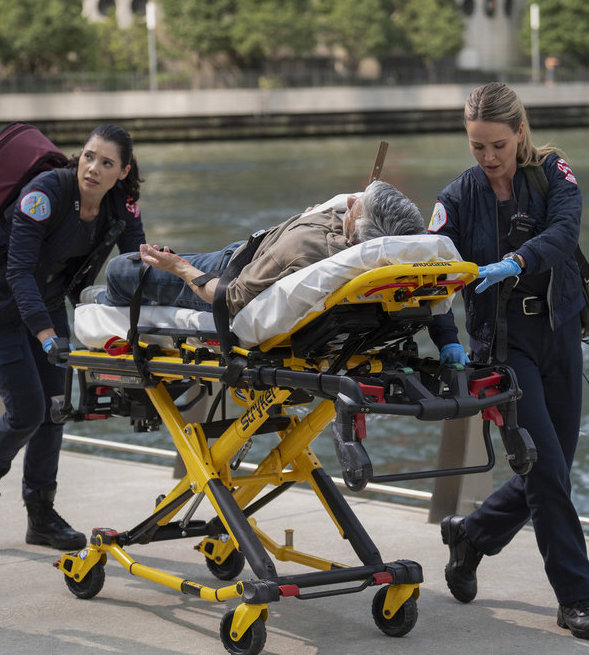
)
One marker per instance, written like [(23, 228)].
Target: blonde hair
[(496, 102)]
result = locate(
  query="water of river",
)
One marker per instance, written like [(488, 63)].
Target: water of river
[(200, 196)]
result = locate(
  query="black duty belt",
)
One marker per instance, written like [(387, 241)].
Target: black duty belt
[(528, 305)]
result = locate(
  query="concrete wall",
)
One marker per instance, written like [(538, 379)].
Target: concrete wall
[(234, 113), (225, 102)]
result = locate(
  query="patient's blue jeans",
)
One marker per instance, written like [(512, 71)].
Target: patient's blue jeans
[(161, 287)]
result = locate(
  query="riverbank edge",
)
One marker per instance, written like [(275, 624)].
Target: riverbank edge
[(207, 114)]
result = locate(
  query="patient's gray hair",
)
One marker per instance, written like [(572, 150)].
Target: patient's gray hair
[(387, 212)]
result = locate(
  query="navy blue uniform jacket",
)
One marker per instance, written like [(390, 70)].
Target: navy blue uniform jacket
[(36, 251), (466, 212)]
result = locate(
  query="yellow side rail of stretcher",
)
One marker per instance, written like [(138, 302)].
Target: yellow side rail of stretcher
[(395, 287)]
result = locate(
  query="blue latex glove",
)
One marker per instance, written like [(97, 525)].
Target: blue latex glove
[(453, 353), (497, 272), (57, 349)]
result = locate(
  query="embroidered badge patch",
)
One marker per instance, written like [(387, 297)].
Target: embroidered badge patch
[(438, 219), (36, 205), (566, 169), (132, 207)]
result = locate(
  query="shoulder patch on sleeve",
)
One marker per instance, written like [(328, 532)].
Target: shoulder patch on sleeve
[(36, 205), (563, 166), (438, 219), (132, 207)]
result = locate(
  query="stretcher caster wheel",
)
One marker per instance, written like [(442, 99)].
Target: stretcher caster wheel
[(251, 643), (90, 585), (400, 623), (228, 569)]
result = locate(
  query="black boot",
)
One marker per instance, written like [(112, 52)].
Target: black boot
[(464, 559), (575, 617), (46, 527)]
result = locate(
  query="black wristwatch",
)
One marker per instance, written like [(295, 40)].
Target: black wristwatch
[(518, 259), (201, 280)]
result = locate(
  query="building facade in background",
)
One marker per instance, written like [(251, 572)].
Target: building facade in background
[(125, 10), (491, 34)]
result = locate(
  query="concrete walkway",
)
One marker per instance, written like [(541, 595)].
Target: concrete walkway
[(514, 612)]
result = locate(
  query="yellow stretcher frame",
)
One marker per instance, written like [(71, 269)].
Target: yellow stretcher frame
[(264, 381), (383, 285)]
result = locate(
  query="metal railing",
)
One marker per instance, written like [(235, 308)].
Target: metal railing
[(285, 74), (171, 454), (387, 490)]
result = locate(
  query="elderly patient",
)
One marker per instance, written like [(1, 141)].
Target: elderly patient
[(185, 280)]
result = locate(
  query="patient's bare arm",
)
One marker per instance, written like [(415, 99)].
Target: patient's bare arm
[(169, 261)]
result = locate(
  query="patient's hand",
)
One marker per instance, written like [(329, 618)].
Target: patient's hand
[(173, 263), (162, 259)]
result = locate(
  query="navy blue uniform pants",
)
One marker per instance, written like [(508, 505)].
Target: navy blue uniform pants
[(549, 368), (27, 382)]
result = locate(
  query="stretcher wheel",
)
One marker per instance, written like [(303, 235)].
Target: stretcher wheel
[(252, 641), (400, 623), (228, 569), (90, 585)]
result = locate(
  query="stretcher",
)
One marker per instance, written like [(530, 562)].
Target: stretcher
[(335, 342)]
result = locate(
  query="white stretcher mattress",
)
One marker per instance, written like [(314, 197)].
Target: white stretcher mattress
[(280, 307)]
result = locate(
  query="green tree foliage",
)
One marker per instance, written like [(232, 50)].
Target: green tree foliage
[(432, 28), (271, 28), (122, 50), (564, 30), (362, 29), (39, 37), (202, 26), (252, 29)]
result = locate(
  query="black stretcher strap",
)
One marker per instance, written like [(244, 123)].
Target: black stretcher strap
[(135, 305), (220, 309), (140, 357)]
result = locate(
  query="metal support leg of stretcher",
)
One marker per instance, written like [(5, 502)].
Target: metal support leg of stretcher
[(377, 371)]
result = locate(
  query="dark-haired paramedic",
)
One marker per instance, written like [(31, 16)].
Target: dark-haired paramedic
[(49, 251)]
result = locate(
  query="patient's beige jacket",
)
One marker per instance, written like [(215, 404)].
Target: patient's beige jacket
[(288, 247)]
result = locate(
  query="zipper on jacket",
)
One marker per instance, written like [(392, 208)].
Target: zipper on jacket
[(549, 299), (492, 344)]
